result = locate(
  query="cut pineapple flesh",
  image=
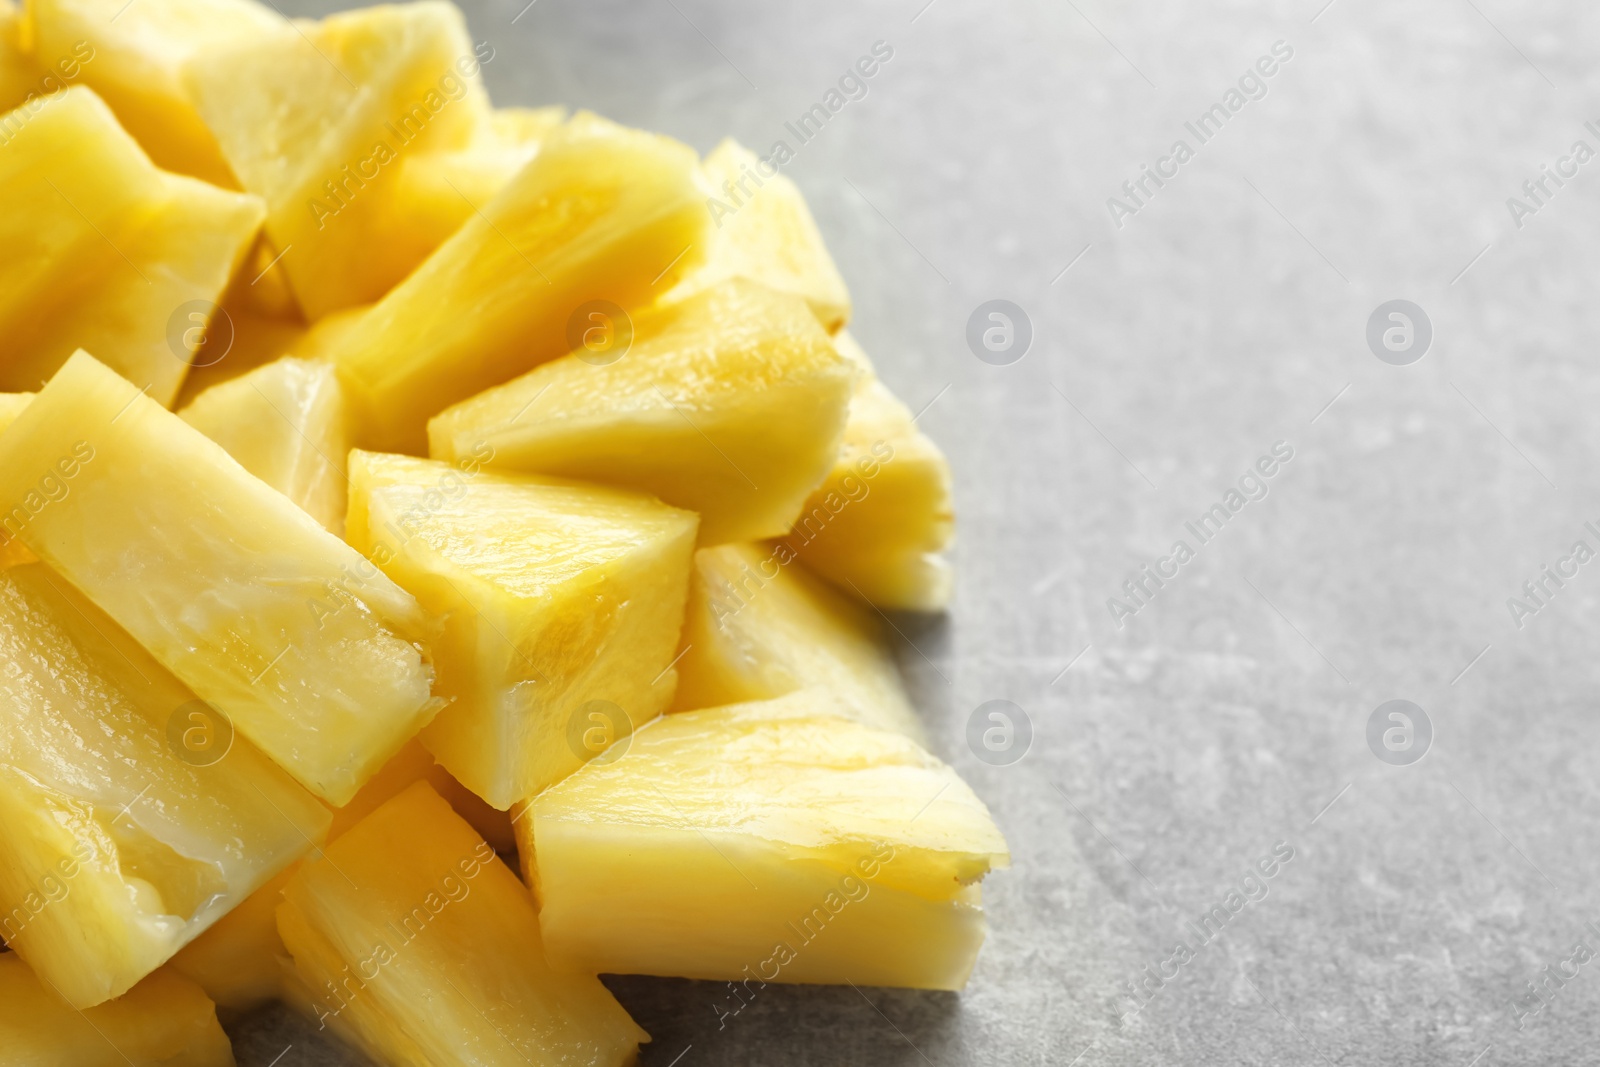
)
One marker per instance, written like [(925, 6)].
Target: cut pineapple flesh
[(129, 820), (164, 1021), (775, 841), (315, 117), (603, 215), (284, 423), (561, 605), (100, 249), (877, 525), (411, 939), (731, 404), (314, 655)]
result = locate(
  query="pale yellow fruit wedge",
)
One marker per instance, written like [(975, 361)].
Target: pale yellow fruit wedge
[(876, 527), (778, 841), (285, 424), (730, 403), (130, 818), (315, 656), (765, 232), (164, 1021), (561, 605), (315, 117), (99, 248), (602, 216), (414, 942)]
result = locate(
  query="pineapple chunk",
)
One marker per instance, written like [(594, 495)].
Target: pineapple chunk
[(99, 248), (759, 626), (284, 423), (560, 602), (765, 232), (731, 404), (315, 118), (774, 842), (602, 214), (306, 646), (876, 525), (126, 825), (164, 1021), (416, 944)]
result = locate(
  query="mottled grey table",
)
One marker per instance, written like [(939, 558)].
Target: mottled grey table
[(1227, 312)]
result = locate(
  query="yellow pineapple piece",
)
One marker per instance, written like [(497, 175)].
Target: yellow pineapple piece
[(164, 1021), (284, 423), (313, 653), (775, 841), (602, 215), (730, 403), (130, 819), (316, 117), (877, 525), (561, 605), (412, 941), (99, 248)]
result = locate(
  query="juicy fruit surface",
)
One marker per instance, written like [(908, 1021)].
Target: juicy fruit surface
[(99, 248), (776, 836), (123, 832), (730, 403), (164, 1021), (759, 626), (311, 652), (412, 938), (555, 597)]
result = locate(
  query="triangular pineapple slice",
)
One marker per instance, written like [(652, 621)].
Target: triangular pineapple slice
[(284, 423), (730, 403), (130, 820), (877, 525), (414, 942), (603, 216), (559, 601), (773, 842), (311, 651), (165, 1020), (759, 626), (99, 248), (315, 117)]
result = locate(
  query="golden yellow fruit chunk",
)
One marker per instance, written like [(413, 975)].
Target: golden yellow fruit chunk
[(99, 248), (602, 216), (730, 403), (130, 819), (164, 1021), (759, 626), (412, 941), (307, 647), (877, 525), (561, 604), (770, 842), (316, 117)]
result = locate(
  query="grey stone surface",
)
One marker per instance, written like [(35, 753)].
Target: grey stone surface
[(1229, 312)]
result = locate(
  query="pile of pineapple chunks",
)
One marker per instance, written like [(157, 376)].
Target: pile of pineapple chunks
[(445, 556)]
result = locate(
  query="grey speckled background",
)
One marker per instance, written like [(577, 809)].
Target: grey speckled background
[(1224, 316)]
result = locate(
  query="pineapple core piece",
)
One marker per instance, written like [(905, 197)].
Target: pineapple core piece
[(100, 249), (561, 604), (414, 942), (767, 842), (312, 653), (164, 1021), (732, 404), (315, 117), (129, 819), (604, 218), (284, 423)]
